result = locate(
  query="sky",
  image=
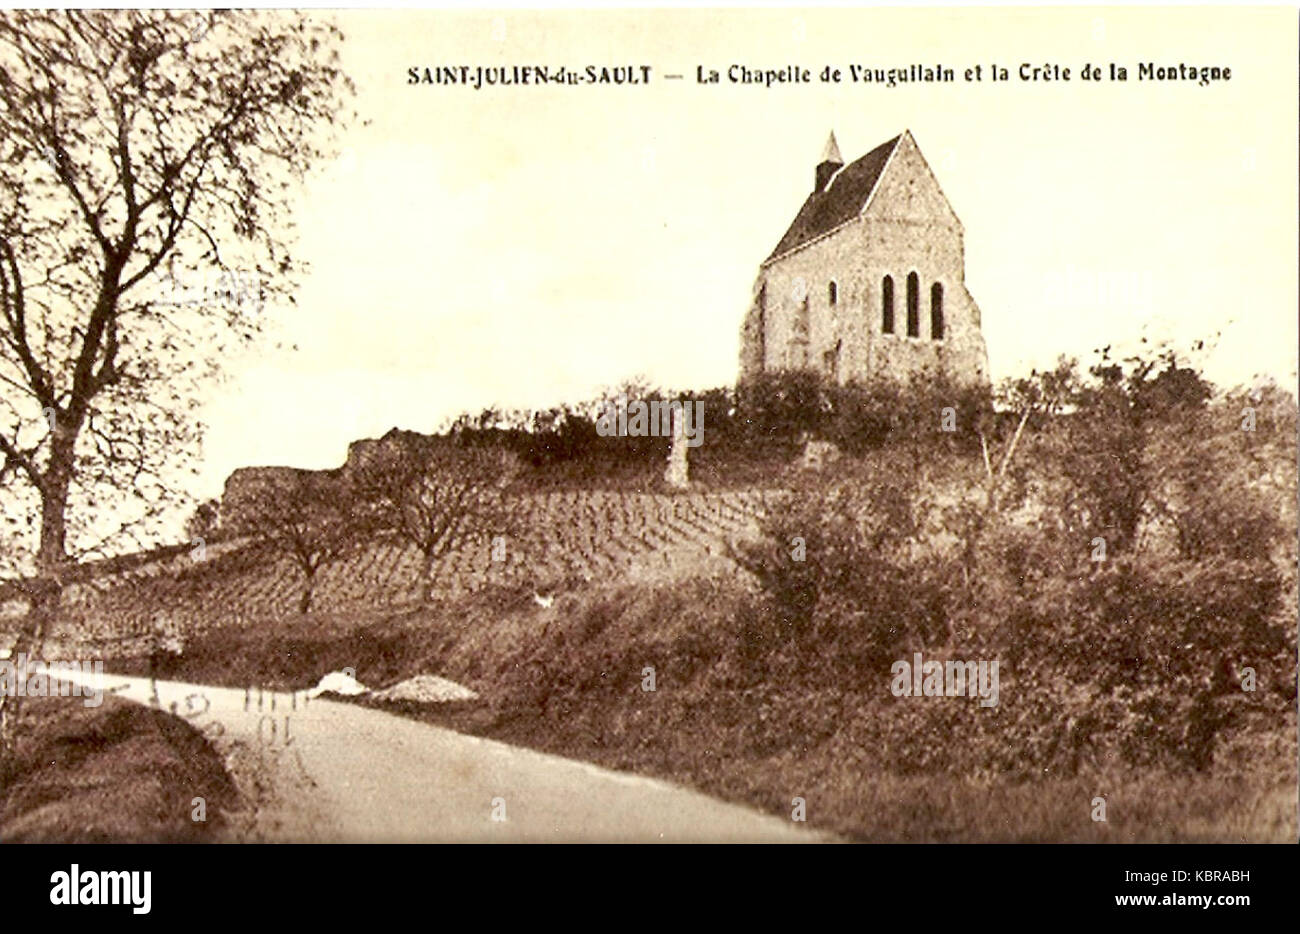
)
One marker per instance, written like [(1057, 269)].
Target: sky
[(526, 246)]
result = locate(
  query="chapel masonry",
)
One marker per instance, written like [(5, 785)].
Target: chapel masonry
[(869, 280)]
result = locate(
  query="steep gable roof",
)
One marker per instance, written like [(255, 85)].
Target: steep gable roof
[(843, 199)]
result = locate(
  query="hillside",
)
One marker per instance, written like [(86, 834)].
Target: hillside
[(557, 541), (1130, 564)]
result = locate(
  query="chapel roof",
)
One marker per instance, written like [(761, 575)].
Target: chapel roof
[(843, 198)]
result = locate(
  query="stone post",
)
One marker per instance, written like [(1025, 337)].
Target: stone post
[(678, 473)]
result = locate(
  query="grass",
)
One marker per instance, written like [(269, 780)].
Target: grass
[(568, 680), (118, 773)]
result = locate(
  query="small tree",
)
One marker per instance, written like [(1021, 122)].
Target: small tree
[(1103, 451), (436, 495), (309, 519), (202, 522)]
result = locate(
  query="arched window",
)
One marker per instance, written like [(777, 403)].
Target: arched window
[(936, 311), (887, 305), (913, 305), (832, 292)]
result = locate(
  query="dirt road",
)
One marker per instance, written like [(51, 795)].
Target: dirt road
[(326, 771)]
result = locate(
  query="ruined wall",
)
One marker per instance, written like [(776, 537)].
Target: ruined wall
[(246, 487)]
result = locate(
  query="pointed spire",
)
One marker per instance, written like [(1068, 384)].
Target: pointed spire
[(832, 151), (831, 162)]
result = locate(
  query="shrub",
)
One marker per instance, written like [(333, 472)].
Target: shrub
[(844, 575)]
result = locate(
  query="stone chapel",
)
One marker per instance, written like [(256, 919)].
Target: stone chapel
[(869, 279)]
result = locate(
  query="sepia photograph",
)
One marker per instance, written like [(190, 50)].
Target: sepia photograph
[(761, 424)]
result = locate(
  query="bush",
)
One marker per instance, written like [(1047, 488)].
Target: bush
[(1134, 659), (844, 573)]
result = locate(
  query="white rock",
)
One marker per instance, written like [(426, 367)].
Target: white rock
[(338, 682)]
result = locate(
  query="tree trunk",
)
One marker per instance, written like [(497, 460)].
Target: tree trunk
[(304, 602), (426, 585), (45, 592)]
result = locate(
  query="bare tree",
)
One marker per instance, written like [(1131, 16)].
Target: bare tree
[(148, 162), (1042, 394), (309, 519), (436, 495)]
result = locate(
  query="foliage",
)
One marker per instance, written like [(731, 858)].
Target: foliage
[(842, 569), (1134, 652), (203, 521)]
